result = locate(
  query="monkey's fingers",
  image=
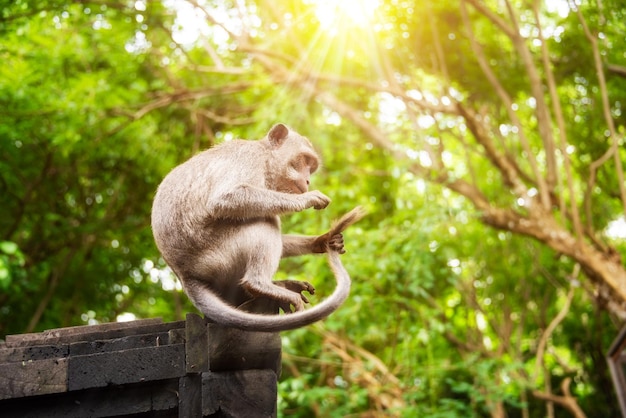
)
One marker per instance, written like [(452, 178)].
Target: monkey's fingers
[(309, 288), (296, 286), (285, 306), (336, 244), (320, 206), (295, 305), (316, 199)]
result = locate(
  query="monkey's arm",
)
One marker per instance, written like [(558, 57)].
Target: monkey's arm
[(299, 244), (332, 240), (245, 201)]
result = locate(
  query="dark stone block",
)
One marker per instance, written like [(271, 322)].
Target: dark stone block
[(128, 366), (245, 393)]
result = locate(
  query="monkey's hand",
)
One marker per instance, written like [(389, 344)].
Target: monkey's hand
[(333, 240), (315, 199), (326, 242)]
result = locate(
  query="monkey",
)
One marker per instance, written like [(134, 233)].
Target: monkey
[(216, 222)]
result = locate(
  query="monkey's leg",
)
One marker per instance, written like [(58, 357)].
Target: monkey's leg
[(284, 297), (259, 244), (261, 266), (296, 286)]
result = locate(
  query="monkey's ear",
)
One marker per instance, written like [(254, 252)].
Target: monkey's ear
[(278, 134)]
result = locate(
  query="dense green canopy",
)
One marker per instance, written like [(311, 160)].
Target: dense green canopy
[(485, 138)]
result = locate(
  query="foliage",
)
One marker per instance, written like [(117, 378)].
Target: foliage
[(485, 139)]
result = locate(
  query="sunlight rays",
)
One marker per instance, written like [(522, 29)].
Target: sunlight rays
[(342, 35), (327, 37), (333, 13)]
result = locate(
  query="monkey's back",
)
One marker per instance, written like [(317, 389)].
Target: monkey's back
[(184, 196), (187, 234)]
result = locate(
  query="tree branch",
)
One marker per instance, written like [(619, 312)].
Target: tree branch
[(542, 186), (494, 18), (567, 400), (606, 107), (509, 170), (617, 69), (560, 120), (542, 112), (543, 341)]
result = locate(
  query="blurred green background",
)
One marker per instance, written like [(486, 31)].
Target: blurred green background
[(485, 138)]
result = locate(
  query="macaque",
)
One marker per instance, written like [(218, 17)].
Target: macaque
[(216, 221)]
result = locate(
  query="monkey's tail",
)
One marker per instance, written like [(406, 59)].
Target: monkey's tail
[(224, 314), (346, 220)]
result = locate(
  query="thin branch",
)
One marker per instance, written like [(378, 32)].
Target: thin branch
[(617, 69), (188, 95), (509, 170), (212, 20), (541, 108), (543, 341), (606, 106), (224, 119), (367, 370), (591, 181), (432, 22), (435, 152), (508, 103), (219, 64), (468, 291), (567, 400), (29, 190), (389, 74), (51, 285), (495, 19), (560, 120), (219, 69)]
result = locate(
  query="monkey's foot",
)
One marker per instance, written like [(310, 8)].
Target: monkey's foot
[(297, 286)]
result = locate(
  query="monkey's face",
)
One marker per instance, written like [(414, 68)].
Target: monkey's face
[(291, 172), (299, 172), (292, 161)]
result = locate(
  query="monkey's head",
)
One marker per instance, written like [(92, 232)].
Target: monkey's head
[(291, 162)]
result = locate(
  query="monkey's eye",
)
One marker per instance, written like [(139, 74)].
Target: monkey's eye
[(295, 164), (312, 163)]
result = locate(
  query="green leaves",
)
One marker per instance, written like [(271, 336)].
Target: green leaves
[(98, 102), (11, 264)]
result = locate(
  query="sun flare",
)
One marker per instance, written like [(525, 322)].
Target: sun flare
[(357, 13)]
